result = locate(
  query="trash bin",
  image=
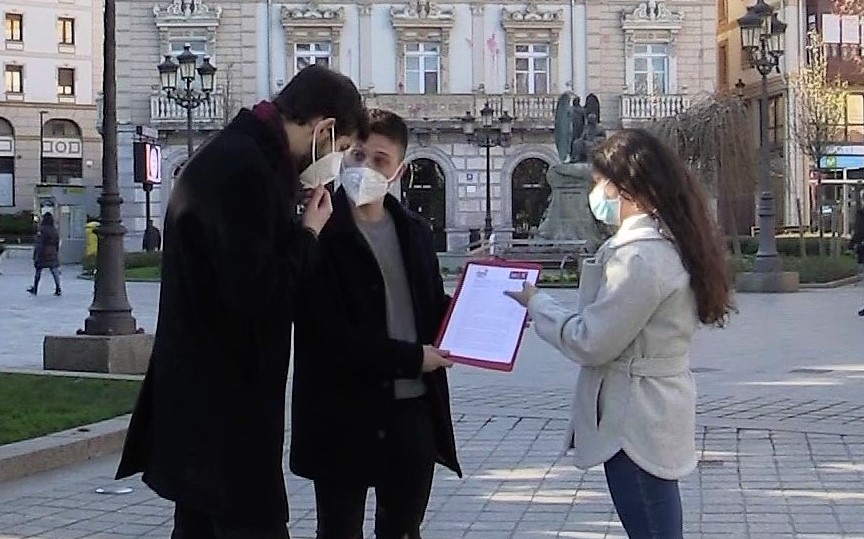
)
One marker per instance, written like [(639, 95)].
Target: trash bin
[(92, 238)]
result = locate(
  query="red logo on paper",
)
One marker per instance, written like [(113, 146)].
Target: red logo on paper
[(519, 275)]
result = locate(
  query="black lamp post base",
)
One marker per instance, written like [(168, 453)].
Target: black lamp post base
[(110, 323), (767, 282)]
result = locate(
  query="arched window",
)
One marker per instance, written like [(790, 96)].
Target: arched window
[(530, 195), (62, 129), (7, 164), (424, 188), (62, 152)]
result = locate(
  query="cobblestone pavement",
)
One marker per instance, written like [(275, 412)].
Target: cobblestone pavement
[(781, 435), (751, 483)]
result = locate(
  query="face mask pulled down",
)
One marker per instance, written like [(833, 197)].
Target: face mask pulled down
[(324, 170), (606, 210), (364, 185)]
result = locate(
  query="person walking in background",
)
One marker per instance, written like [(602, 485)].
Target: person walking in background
[(208, 429), (659, 276), (46, 254), (857, 246)]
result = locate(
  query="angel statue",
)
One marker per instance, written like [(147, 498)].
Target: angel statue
[(577, 128)]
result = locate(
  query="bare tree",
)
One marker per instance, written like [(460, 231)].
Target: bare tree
[(230, 102), (716, 138), (819, 107)]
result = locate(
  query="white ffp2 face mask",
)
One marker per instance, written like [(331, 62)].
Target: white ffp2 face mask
[(605, 210), (364, 185), (325, 170)]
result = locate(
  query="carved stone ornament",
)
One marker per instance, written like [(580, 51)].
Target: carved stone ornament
[(531, 26), (423, 21), (421, 11), (312, 23), (651, 15), (533, 16), (311, 12), (187, 13)]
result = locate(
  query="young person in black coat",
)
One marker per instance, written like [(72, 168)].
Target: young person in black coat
[(370, 402), (209, 425), (46, 254)]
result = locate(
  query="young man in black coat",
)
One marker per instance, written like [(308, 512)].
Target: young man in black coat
[(370, 402), (209, 425)]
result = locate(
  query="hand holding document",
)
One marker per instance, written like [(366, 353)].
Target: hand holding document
[(484, 326)]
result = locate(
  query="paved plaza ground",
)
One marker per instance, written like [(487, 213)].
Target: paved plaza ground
[(781, 434)]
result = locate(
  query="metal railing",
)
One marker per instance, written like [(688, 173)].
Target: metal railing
[(164, 110), (451, 107)]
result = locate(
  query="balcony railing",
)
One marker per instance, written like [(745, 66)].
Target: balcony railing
[(452, 107), (165, 112), (650, 107)]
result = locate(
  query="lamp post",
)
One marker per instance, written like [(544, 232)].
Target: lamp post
[(110, 312), (42, 114), (488, 136), (186, 96), (763, 38)]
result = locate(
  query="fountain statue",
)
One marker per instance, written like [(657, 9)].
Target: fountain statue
[(577, 131)]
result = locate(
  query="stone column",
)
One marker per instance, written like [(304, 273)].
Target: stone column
[(478, 38), (366, 52)]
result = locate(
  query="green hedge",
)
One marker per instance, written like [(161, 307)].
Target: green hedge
[(813, 269), (788, 246), (131, 260), (18, 227)]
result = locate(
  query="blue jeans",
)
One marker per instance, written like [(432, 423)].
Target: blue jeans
[(649, 507), (55, 272)]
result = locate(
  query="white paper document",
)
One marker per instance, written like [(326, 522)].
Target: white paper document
[(485, 325)]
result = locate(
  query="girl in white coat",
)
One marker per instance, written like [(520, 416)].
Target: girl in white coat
[(657, 278)]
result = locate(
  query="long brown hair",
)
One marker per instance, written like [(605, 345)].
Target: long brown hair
[(651, 174)]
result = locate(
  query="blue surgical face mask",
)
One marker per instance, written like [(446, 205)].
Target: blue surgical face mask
[(606, 210)]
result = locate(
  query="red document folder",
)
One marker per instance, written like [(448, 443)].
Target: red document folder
[(511, 337)]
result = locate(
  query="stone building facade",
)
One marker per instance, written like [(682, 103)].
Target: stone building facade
[(51, 56), (432, 62)]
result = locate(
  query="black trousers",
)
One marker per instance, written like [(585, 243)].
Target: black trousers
[(192, 524), (402, 489)]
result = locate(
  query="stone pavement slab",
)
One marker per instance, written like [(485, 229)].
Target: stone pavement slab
[(781, 436), (25, 320), (751, 483)]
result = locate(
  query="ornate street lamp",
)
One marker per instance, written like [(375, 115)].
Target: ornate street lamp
[(763, 39), (183, 94), (488, 136)]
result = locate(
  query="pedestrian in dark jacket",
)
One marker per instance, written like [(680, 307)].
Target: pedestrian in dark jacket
[(46, 254), (209, 425), (370, 402), (857, 245)]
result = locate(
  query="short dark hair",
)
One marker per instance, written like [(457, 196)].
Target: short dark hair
[(318, 92), (390, 125)]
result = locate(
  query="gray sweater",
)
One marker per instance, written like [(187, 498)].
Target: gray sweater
[(635, 391)]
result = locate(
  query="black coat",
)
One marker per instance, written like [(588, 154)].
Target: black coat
[(857, 241), (46, 252), (344, 360), (209, 425)]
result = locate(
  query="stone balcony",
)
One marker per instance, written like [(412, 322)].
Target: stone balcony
[(636, 109), (447, 110), (165, 113)]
